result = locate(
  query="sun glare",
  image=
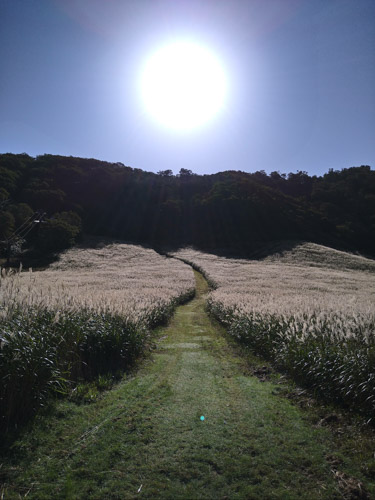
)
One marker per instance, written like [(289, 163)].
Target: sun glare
[(183, 85)]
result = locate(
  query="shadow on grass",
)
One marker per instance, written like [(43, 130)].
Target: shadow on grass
[(255, 251)]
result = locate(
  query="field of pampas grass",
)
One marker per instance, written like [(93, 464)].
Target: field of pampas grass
[(310, 310), (88, 314), (127, 280)]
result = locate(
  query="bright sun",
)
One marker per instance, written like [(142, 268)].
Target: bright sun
[(183, 85)]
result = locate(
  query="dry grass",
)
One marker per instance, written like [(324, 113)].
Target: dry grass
[(315, 255), (307, 280), (310, 309), (125, 280), (87, 315)]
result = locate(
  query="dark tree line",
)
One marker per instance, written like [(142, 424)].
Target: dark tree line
[(232, 209)]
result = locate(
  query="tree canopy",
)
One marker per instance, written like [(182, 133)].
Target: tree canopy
[(230, 209)]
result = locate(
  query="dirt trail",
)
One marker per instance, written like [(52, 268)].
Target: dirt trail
[(145, 438)]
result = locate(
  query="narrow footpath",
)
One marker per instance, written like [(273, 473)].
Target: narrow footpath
[(189, 424)]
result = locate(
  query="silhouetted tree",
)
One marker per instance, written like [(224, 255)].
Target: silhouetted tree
[(185, 172), (165, 173), (7, 224), (21, 213)]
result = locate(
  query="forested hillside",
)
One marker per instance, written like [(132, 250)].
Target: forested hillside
[(232, 209)]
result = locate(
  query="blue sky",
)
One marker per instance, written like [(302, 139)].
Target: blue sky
[(301, 82)]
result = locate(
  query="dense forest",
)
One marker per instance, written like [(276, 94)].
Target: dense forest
[(229, 210)]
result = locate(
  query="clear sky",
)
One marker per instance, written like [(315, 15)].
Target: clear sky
[(300, 82)]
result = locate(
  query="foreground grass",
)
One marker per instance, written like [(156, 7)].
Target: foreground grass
[(145, 438)]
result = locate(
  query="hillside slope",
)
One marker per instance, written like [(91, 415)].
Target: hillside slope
[(314, 255)]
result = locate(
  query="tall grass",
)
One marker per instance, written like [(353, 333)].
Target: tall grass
[(64, 325), (128, 280), (43, 353), (314, 318)]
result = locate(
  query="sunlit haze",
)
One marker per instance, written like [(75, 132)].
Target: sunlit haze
[(214, 85)]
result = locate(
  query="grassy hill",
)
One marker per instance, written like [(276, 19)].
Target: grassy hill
[(314, 255)]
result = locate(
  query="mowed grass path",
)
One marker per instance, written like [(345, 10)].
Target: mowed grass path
[(145, 439)]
